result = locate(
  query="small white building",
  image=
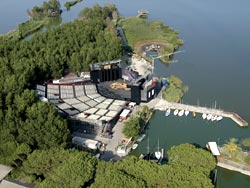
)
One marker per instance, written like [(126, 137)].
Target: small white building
[(124, 114), (85, 143), (213, 147)]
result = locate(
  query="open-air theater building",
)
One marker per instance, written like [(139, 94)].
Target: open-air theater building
[(92, 104)]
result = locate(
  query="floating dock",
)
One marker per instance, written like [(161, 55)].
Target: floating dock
[(163, 105)]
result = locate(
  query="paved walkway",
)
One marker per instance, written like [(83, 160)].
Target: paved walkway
[(110, 153)]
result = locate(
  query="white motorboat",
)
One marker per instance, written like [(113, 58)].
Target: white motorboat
[(141, 137), (167, 113), (186, 112), (204, 116), (209, 116), (176, 112), (213, 118), (181, 112), (219, 118), (134, 146), (158, 153)]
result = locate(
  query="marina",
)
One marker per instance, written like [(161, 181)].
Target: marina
[(198, 61), (213, 114)]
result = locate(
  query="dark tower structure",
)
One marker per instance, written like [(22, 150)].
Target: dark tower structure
[(106, 71)]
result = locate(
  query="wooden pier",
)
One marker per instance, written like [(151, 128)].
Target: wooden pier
[(163, 105)]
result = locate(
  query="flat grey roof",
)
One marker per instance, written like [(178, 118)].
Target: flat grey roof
[(72, 101), (91, 103), (100, 99), (84, 98), (111, 113), (119, 102), (105, 118), (102, 105), (93, 116), (81, 107), (53, 91), (91, 110), (93, 96), (55, 101), (51, 86), (66, 87), (63, 106), (71, 112), (114, 107), (108, 101), (81, 116), (101, 112)]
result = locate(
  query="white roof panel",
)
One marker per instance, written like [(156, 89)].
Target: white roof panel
[(91, 110), (93, 116), (124, 113), (214, 148)]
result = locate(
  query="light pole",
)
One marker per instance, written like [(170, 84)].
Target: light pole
[(153, 61)]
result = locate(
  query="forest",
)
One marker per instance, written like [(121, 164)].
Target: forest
[(35, 140), (27, 124)]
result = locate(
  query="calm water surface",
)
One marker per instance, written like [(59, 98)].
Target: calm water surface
[(215, 66)]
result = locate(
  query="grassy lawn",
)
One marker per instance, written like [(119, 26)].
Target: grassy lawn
[(175, 90), (140, 31)]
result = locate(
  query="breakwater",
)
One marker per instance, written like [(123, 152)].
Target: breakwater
[(163, 105)]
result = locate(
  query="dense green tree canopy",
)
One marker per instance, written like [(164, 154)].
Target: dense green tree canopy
[(74, 45)]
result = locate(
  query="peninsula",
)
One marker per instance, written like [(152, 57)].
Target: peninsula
[(84, 96)]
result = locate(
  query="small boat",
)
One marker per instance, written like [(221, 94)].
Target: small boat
[(204, 116), (141, 137), (158, 153), (213, 118), (176, 112), (219, 118), (193, 114), (167, 113), (134, 146), (209, 116), (181, 112), (186, 112)]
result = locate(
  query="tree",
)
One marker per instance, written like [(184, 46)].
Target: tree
[(232, 148), (186, 155), (132, 127), (76, 172), (43, 128), (108, 175)]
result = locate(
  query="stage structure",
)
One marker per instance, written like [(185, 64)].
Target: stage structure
[(106, 71)]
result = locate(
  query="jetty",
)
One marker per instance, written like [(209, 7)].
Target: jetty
[(163, 105)]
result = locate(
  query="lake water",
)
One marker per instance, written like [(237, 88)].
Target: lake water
[(215, 66)]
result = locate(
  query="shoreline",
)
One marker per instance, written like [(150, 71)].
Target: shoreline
[(234, 166)]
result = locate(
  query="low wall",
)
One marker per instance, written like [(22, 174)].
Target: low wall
[(231, 165)]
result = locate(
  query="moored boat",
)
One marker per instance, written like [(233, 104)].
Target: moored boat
[(209, 116), (158, 153), (213, 118), (168, 111), (176, 112), (193, 114), (186, 112), (204, 116), (181, 112), (134, 146), (219, 118), (141, 137)]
